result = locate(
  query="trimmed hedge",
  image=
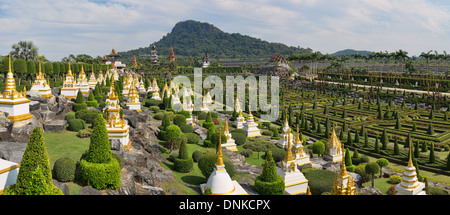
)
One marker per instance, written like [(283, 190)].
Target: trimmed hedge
[(88, 116), (64, 169), (320, 181), (192, 138), (100, 175)]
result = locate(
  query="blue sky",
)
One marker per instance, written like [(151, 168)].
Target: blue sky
[(63, 27)]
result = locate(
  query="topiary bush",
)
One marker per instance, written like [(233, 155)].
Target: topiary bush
[(269, 182), (394, 179), (187, 128), (196, 156), (192, 138), (84, 133), (246, 152), (76, 124), (179, 120), (34, 177), (320, 181), (97, 168), (69, 116), (437, 191), (91, 101), (79, 103), (87, 115), (64, 169), (239, 138), (183, 163)]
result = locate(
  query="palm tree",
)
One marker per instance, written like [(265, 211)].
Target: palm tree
[(427, 57), (402, 56), (25, 50)]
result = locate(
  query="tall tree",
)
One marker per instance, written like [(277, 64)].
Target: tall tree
[(25, 50)]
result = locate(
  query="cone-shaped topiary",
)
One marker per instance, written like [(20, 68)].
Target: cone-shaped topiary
[(269, 183), (99, 147), (183, 163), (34, 177), (98, 169), (430, 130), (79, 102), (91, 102)]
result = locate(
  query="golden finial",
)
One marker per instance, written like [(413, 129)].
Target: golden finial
[(69, 73), (343, 168), (220, 156), (10, 81), (285, 118), (308, 191), (226, 125), (298, 136), (410, 163), (289, 156), (40, 71), (82, 70)]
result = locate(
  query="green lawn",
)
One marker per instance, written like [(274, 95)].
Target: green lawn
[(65, 144), (380, 183)]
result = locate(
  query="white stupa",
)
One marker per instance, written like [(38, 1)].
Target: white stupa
[(251, 127), (410, 185), (41, 85), (133, 102), (300, 155), (13, 102), (333, 148), (285, 134), (69, 89), (240, 121), (92, 80), (230, 145), (295, 182), (219, 181), (82, 82), (115, 125)]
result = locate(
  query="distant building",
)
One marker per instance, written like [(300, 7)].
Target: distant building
[(114, 60), (171, 55), (154, 55), (205, 60)]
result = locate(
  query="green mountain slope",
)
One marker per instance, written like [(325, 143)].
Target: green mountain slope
[(350, 52), (192, 39)]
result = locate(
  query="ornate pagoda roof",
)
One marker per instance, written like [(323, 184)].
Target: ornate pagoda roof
[(113, 53)]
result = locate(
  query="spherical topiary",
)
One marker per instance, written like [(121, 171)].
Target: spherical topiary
[(76, 124), (239, 138), (179, 120), (187, 128), (197, 155), (192, 138), (64, 169)]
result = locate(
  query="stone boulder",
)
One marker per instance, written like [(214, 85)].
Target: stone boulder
[(89, 190), (12, 151), (5, 128), (63, 187), (35, 105), (47, 115), (370, 190), (55, 125)]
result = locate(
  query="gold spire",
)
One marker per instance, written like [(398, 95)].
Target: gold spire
[(112, 93), (82, 70), (40, 71), (308, 192), (410, 163), (69, 73), (343, 168), (220, 156), (297, 140), (10, 81), (289, 156), (226, 124), (285, 118)]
